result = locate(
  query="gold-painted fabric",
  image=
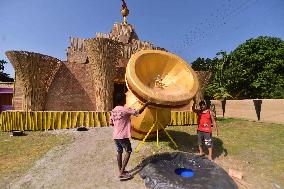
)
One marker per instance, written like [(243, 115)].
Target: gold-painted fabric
[(183, 118), (34, 121)]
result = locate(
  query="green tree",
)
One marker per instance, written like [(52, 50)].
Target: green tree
[(3, 76), (257, 66), (217, 89), (201, 64), (255, 69)]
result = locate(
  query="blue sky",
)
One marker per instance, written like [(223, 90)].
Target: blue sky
[(189, 28)]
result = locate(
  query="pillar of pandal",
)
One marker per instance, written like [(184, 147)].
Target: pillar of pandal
[(36, 72), (103, 54)]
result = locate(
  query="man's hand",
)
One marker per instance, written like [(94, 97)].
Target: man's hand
[(148, 103), (144, 106)]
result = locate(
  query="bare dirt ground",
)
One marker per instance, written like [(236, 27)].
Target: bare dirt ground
[(88, 162)]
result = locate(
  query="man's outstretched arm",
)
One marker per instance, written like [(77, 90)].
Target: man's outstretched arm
[(143, 107)]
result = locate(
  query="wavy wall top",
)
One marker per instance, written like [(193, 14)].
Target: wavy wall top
[(36, 72)]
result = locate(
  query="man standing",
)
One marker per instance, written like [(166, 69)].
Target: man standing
[(120, 120)]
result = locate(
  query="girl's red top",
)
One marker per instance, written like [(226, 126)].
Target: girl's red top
[(204, 122)]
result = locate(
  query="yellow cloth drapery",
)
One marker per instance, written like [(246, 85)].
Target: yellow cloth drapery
[(34, 121), (183, 118)]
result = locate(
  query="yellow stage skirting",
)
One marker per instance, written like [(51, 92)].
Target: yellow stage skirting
[(52, 120), (34, 121), (183, 118)]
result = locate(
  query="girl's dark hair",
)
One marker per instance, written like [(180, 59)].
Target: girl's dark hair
[(202, 103)]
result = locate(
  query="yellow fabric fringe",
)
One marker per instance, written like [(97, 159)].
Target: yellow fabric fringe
[(183, 118), (34, 121)]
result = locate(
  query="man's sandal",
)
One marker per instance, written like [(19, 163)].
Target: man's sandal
[(125, 176)]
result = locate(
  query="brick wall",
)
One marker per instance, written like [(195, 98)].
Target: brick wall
[(72, 89)]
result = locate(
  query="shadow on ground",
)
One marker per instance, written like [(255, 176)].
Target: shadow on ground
[(188, 143)]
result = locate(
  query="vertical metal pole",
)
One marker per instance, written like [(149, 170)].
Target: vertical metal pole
[(156, 120)]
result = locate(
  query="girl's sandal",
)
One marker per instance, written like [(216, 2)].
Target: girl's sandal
[(200, 155)]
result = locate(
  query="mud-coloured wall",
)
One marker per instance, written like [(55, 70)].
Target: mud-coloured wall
[(18, 94), (72, 89), (266, 110)]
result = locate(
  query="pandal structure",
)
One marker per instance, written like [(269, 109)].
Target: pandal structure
[(80, 90)]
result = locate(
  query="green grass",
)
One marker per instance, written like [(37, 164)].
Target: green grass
[(256, 146), (18, 154), (228, 120), (260, 145)]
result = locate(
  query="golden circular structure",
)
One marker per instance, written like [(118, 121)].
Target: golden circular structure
[(161, 77), (141, 125)]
